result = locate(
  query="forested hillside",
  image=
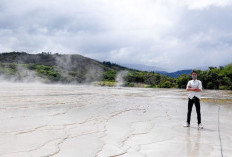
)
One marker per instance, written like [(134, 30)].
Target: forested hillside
[(57, 68)]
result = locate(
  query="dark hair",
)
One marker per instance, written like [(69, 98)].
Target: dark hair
[(194, 71)]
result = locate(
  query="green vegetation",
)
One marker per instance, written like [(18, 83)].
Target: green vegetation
[(150, 79), (107, 83), (47, 72), (18, 71), (217, 78), (214, 78), (77, 69), (109, 75)]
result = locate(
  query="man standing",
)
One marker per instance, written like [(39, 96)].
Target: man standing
[(194, 87)]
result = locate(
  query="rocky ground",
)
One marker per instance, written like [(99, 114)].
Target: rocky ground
[(88, 121)]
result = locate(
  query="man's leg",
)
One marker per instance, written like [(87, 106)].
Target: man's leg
[(198, 109), (190, 105)]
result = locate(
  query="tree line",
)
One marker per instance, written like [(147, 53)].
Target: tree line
[(213, 78), (14, 64)]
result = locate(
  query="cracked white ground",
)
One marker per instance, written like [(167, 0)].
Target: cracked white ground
[(87, 121)]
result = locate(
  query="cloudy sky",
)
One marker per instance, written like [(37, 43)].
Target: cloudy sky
[(171, 34)]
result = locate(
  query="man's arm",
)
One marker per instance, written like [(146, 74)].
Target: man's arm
[(188, 87), (194, 89), (198, 89)]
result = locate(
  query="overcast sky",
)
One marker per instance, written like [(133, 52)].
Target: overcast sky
[(171, 34)]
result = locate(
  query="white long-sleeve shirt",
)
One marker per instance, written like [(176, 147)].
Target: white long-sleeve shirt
[(194, 84)]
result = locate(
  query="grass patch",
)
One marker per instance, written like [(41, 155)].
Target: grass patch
[(107, 83), (216, 101)]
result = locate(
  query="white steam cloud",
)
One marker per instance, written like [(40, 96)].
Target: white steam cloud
[(120, 78)]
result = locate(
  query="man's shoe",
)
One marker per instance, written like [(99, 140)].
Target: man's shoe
[(186, 124), (200, 126)]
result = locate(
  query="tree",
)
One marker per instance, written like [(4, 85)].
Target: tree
[(182, 81), (109, 75), (166, 84)]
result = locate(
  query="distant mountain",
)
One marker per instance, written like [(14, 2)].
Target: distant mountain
[(157, 70), (142, 67), (187, 72), (175, 74), (162, 71)]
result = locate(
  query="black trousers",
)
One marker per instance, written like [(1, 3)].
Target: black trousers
[(195, 101)]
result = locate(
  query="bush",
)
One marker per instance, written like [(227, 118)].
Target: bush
[(109, 75), (166, 84), (210, 85), (107, 83), (131, 84), (31, 66), (224, 87)]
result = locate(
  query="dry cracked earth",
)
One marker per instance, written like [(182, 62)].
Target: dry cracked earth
[(41, 120)]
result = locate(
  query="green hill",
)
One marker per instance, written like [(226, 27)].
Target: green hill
[(49, 67), (57, 68)]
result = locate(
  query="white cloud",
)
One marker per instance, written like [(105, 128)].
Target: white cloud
[(202, 4), (163, 33)]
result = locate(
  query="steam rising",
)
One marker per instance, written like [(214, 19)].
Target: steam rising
[(120, 78), (87, 72), (69, 69), (23, 74)]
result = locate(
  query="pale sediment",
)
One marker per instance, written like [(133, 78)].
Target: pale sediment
[(87, 121)]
